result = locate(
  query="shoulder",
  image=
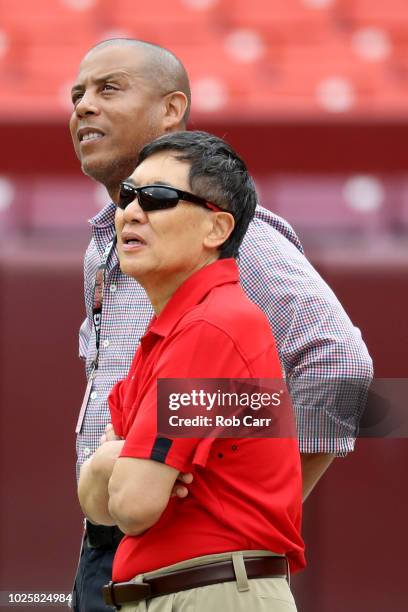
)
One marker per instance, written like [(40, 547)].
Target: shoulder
[(228, 316), (267, 223), (272, 253), (273, 266), (226, 307)]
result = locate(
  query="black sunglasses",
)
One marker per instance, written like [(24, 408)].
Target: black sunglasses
[(158, 197)]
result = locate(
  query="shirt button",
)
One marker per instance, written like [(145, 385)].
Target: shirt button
[(87, 451), (106, 343), (112, 288), (93, 395)]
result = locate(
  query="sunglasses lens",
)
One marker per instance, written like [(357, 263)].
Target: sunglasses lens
[(157, 198), (150, 198), (126, 195)]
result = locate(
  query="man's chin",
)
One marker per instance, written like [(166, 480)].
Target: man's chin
[(95, 170), (107, 172), (132, 271)]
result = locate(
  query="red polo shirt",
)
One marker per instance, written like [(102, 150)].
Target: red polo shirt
[(246, 493)]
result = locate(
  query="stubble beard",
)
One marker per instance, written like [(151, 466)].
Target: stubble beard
[(111, 173)]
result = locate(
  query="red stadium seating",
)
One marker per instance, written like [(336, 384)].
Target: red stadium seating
[(379, 13), (267, 56)]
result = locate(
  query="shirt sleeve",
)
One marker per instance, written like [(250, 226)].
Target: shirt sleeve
[(190, 354), (116, 407), (326, 362)]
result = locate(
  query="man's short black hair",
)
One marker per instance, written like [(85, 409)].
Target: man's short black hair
[(217, 174)]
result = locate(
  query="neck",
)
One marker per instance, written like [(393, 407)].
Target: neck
[(161, 290)]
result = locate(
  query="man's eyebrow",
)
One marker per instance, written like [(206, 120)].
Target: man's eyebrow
[(131, 181), (157, 181), (101, 79)]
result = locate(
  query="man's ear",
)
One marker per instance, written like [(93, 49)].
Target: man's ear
[(175, 107), (223, 224)]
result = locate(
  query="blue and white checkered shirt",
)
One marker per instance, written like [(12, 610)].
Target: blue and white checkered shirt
[(315, 338)]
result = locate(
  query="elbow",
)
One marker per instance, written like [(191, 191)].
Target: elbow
[(84, 503), (93, 500), (84, 492), (93, 510), (133, 518)]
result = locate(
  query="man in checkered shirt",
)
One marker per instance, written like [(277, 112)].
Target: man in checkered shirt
[(127, 93)]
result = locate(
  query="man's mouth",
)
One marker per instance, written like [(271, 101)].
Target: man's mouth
[(131, 239), (134, 241), (89, 134)]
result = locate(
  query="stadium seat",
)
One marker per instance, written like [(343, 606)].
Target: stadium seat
[(382, 13), (255, 56)]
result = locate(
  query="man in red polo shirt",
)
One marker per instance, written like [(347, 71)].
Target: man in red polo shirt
[(181, 218)]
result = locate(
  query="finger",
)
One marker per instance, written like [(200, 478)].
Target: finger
[(111, 436), (102, 439), (186, 478), (108, 427), (181, 492)]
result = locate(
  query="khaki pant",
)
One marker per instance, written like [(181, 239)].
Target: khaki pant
[(243, 595)]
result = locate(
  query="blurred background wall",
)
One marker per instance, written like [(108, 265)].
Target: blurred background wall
[(314, 95)]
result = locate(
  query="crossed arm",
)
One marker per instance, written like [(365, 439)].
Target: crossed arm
[(131, 493)]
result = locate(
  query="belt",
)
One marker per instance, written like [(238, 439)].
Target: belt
[(119, 593), (99, 536)]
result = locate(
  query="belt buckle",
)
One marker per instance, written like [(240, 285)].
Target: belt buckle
[(144, 591), (109, 595)]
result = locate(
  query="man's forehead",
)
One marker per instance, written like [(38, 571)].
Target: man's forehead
[(112, 59), (162, 166)]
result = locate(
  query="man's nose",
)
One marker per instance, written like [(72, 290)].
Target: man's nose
[(87, 105), (133, 212)]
